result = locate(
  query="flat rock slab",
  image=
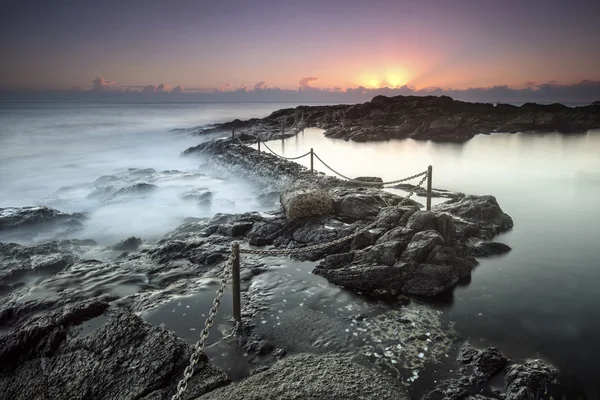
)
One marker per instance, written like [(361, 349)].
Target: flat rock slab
[(308, 376)]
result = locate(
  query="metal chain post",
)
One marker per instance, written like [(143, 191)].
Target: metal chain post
[(199, 346)]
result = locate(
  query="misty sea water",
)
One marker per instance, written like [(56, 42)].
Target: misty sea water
[(541, 300)]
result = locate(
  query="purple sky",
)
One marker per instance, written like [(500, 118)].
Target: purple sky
[(226, 44)]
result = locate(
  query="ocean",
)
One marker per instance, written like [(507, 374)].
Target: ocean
[(538, 301)]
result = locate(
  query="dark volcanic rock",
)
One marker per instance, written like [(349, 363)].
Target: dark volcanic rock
[(308, 376), (129, 244), (480, 216), (136, 190), (361, 203), (202, 196), (124, 358), (483, 249), (528, 381), (427, 118), (17, 220), (406, 251), (17, 261)]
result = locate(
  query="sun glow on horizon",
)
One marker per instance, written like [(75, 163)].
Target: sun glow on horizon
[(391, 78)]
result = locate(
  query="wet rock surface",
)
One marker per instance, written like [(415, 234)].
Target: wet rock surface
[(529, 380), (423, 118), (309, 376), (406, 251), (24, 221), (49, 357), (129, 244)]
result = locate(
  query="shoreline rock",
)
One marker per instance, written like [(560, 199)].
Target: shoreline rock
[(50, 357), (440, 119), (420, 253)]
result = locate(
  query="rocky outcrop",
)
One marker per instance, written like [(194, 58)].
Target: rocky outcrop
[(23, 222), (407, 251), (424, 118), (17, 262), (476, 216), (129, 244), (308, 376), (527, 381), (141, 189), (51, 357)]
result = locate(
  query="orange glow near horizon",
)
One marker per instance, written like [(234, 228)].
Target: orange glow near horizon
[(390, 77)]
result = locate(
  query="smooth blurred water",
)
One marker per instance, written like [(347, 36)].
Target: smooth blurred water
[(50, 154), (542, 299), (539, 300)]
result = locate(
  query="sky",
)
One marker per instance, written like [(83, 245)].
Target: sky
[(328, 45)]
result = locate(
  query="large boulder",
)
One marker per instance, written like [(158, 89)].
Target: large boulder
[(124, 358), (479, 216), (308, 376), (361, 203), (305, 203)]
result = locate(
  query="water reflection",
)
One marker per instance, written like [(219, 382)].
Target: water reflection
[(545, 290)]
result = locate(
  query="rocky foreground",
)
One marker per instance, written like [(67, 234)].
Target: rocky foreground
[(47, 352), (423, 118)]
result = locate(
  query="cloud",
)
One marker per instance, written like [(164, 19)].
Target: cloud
[(149, 89), (586, 91), (75, 89), (260, 85), (225, 86), (101, 84), (163, 88), (242, 88), (305, 82)]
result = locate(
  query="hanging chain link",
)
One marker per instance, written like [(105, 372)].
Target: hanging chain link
[(322, 246), (199, 346)]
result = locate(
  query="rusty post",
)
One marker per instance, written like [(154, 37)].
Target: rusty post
[(429, 170), (235, 282)]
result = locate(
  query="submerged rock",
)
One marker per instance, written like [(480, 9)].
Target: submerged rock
[(483, 249), (308, 376), (137, 190)]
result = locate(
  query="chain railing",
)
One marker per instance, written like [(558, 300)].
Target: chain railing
[(321, 246), (285, 158), (199, 346), (233, 263)]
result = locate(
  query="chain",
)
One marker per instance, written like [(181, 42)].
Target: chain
[(408, 178), (199, 346), (286, 158), (321, 246)]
